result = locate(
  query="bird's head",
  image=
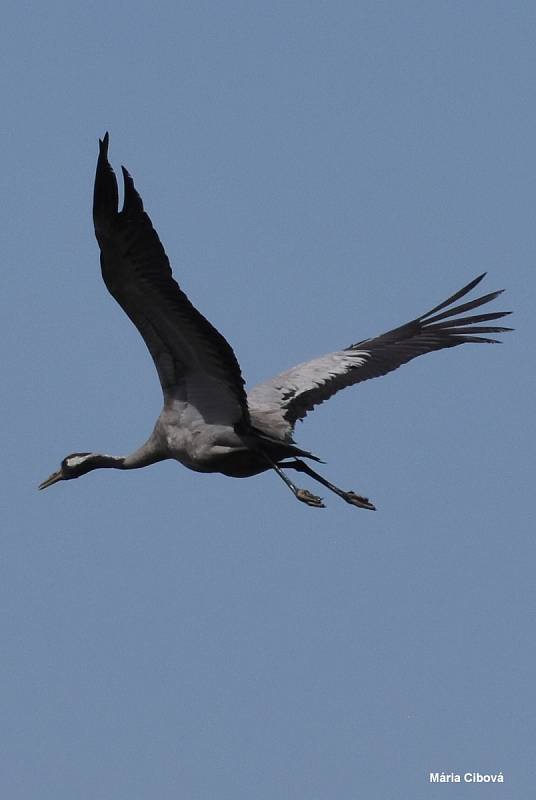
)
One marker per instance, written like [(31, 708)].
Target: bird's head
[(72, 466)]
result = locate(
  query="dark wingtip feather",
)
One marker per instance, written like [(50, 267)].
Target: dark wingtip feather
[(476, 340), (132, 201), (473, 329), (456, 296), (103, 144), (473, 283), (470, 320), (450, 312), (461, 329), (105, 193)]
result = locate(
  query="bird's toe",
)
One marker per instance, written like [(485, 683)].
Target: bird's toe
[(359, 501), (310, 499)]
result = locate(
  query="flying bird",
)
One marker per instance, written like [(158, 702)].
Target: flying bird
[(208, 422)]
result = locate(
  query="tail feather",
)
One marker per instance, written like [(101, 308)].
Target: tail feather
[(290, 446)]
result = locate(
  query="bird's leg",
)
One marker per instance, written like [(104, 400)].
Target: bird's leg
[(350, 497), (301, 494)]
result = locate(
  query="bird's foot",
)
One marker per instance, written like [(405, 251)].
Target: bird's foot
[(356, 500), (310, 499)]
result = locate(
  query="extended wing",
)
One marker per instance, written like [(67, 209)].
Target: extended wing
[(283, 400), (194, 361)]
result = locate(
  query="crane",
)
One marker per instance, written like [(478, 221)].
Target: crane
[(208, 422)]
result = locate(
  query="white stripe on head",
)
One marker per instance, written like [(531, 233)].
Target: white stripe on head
[(75, 461)]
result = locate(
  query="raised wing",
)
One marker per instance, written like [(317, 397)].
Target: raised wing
[(194, 361), (283, 400)]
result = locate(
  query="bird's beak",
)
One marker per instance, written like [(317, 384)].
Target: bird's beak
[(54, 478)]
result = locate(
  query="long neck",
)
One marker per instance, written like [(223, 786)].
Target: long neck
[(148, 453), (101, 460), (135, 460)]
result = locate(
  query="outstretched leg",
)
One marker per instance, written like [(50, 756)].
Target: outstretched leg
[(350, 497), (301, 494)]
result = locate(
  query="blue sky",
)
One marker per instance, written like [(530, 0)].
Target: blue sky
[(318, 173)]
